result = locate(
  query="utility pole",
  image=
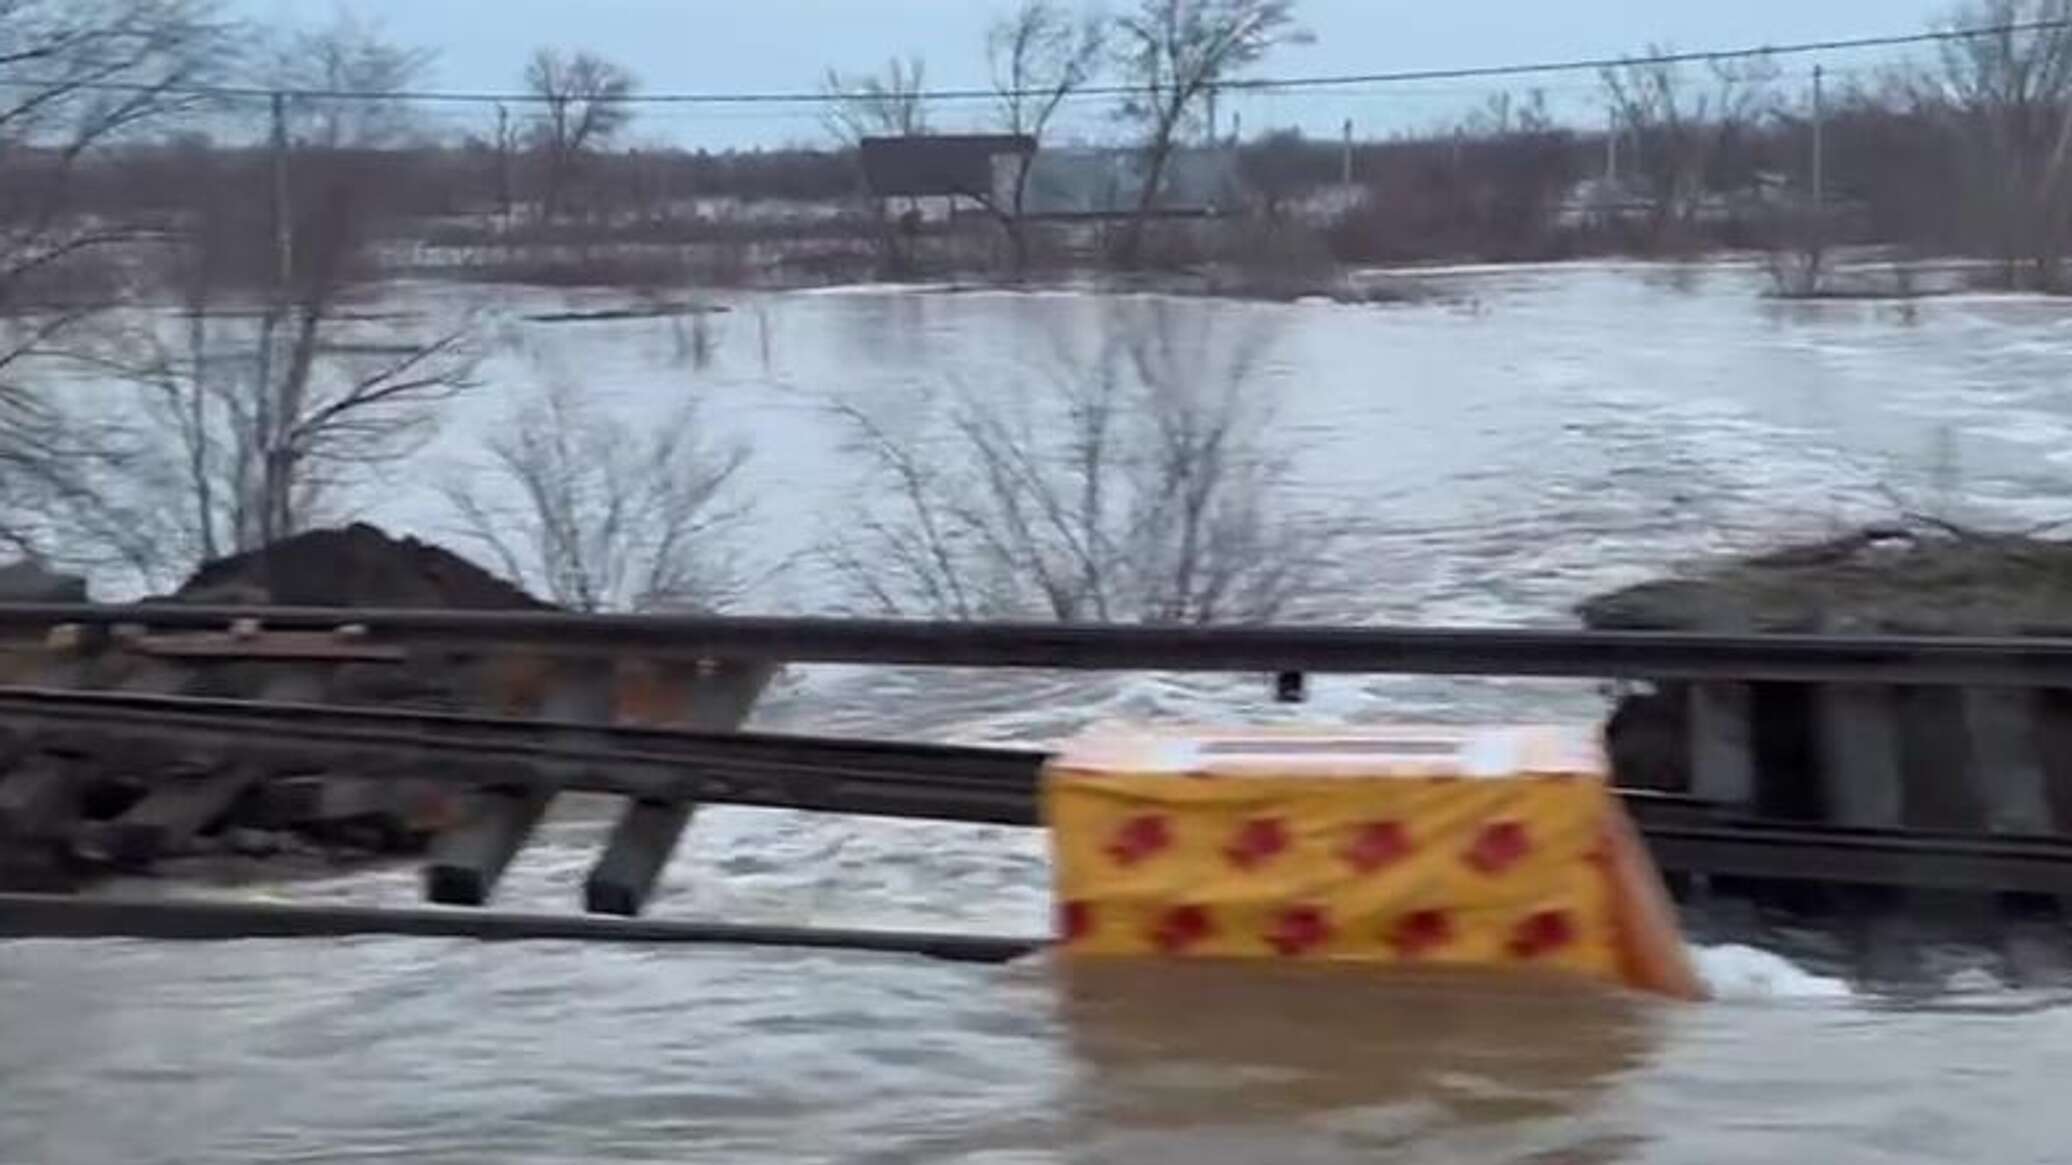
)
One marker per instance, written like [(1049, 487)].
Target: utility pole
[(503, 163), (270, 416), (1611, 150), (1819, 140), (1213, 140), (283, 222), (1345, 161)]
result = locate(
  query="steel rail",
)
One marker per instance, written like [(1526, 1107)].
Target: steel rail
[(763, 769), (930, 781), (2044, 661), (65, 916), (1926, 861)]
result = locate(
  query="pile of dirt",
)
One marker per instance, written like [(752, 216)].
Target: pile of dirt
[(1916, 578), (357, 566)]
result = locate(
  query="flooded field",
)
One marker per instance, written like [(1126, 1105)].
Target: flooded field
[(1518, 441)]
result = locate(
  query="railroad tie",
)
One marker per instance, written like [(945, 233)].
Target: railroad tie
[(175, 809), (36, 796), (699, 697), (467, 861), (641, 842)]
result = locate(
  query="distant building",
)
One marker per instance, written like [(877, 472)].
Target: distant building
[(942, 165)]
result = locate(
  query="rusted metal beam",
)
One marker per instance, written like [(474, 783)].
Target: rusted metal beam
[(292, 646), (705, 698)]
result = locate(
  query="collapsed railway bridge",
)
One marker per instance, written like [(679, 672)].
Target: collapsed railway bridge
[(133, 733)]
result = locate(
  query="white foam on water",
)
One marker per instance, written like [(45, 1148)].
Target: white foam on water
[(879, 289), (1737, 973)]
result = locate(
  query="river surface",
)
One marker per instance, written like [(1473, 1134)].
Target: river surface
[(1522, 439)]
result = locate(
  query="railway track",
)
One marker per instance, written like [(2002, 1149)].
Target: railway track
[(564, 724), (871, 778), (2040, 658)]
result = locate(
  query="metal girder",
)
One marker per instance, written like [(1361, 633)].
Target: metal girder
[(2019, 662), (939, 781)]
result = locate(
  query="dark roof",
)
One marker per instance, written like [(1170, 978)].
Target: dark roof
[(936, 164)]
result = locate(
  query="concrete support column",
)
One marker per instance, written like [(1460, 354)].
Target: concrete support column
[(1722, 745), (1858, 750), (2005, 765)]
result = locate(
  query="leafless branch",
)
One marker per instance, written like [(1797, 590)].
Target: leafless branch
[(1040, 56), (1175, 52), (2012, 94), (583, 107), (1140, 483), (600, 515), (1678, 126), (887, 104)]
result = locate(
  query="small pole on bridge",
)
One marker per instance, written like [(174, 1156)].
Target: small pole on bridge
[(1290, 687)]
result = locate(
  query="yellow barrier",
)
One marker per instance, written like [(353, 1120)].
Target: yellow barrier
[(1484, 847)]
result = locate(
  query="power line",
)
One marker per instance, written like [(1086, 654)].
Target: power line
[(1598, 64), (1259, 85)]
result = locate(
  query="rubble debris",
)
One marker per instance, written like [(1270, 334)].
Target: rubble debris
[(355, 566)]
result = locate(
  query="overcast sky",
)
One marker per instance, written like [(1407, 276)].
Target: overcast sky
[(761, 45)]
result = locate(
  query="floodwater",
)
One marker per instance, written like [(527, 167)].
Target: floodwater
[(1515, 444)]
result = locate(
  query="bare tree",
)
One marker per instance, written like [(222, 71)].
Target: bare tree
[(1040, 56), (1174, 53), (582, 107), (245, 427), (1680, 129), (1140, 484), (2011, 92), (346, 84), (76, 77), (262, 394), (893, 103), (599, 515)]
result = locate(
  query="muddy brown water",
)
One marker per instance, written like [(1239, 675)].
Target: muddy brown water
[(1535, 437)]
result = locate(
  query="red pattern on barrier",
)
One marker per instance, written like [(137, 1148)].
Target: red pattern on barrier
[(1299, 930), (1377, 845), (1182, 927), (1421, 932), (1075, 920), (1500, 845), (1257, 843), (1542, 933), (1140, 839)]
